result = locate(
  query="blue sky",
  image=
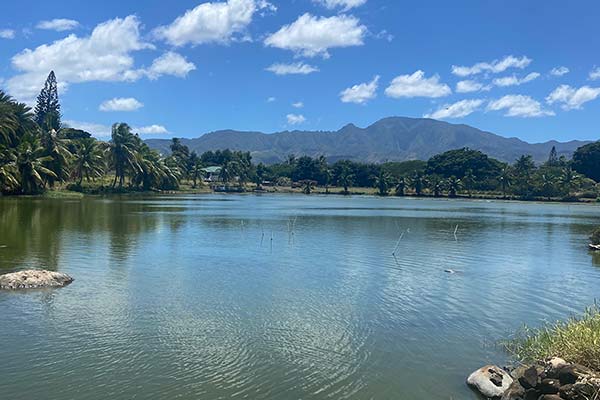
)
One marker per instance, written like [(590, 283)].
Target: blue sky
[(182, 68)]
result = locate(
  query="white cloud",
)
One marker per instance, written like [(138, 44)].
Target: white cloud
[(170, 63), (121, 104), (98, 130), (519, 106), (345, 5), (469, 86), (457, 110), (513, 80), (311, 36), (495, 66), (7, 34), (360, 93), (595, 74), (271, 99), (212, 22), (298, 104), (295, 119), (559, 71), (416, 85), (105, 55), (151, 130), (58, 24), (295, 68), (571, 98)]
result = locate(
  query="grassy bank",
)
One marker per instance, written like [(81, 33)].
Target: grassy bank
[(576, 340)]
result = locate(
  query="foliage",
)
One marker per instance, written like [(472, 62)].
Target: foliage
[(576, 340), (463, 162), (586, 160), (47, 109)]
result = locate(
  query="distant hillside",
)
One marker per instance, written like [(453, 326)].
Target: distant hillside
[(390, 139)]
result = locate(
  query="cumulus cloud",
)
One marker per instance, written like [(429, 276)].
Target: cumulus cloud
[(295, 119), (7, 34), (360, 93), (312, 36), (105, 55), (151, 130), (212, 22), (416, 85), (519, 106), (469, 86), (595, 74), (494, 67), (559, 71), (571, 98), (170, 63), (121, 104), (513, 80), (294, 68), (298, 104), (345, 5), (457, 110), (58, 24)]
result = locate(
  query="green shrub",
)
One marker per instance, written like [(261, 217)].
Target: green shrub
[(576, 340)]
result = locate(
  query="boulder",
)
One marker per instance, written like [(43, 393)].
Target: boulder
[(491, 381), (33, 279), (549, 386), (529, 378)]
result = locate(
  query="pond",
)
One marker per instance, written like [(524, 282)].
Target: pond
[(281, 296)]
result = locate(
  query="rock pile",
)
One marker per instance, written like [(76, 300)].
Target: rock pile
[(33, 279), (552, 380)]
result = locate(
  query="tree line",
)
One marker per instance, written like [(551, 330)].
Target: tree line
[(37, 151)]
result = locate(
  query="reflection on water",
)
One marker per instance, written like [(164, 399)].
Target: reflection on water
[(191, 297)]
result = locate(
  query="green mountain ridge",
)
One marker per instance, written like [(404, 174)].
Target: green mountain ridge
[(389, 139)]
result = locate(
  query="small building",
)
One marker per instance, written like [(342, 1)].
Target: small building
[(211, 174)]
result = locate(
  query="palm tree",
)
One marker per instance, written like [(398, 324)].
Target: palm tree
[(88, 161), (505, 180), (8, 170), (58, 149), (548, 184), (468, 181), (31, 167), (400, 186), (228, 171), (435, 183), (383, 183), (569, 180), (345, 178), (123, 150), (418, 182), (453, 186)]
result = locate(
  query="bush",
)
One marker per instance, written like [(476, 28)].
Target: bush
[(576, 340), (595, 238)]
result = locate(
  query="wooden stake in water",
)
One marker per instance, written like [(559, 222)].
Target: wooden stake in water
[(455, 230), (398, 243)]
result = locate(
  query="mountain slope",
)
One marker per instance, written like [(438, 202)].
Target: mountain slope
[(390, 139)]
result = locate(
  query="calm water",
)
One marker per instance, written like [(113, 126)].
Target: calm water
[(208, 297)]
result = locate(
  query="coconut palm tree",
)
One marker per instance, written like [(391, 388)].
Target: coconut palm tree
[(400, 186), (88, 161), (505, 179), (122, 150), (58, 149), (30, 164), (8, 170), (345, 178), (383, 182), (418, 182), (454, 186), (569, 180), (228, 171)]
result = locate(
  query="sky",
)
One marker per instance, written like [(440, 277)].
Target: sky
[(529, 69)]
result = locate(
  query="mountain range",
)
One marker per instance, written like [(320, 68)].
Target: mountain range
[(389, 139)]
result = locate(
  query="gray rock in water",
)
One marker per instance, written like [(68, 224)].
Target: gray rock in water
[(491, 381), (33, 279)]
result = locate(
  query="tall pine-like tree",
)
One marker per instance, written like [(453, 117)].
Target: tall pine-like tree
[(47, 109), (553, 157)]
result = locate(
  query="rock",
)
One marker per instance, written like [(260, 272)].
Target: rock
[(566, 391), (490, 381), (567, 374), (32, 279), (514, 392), (556, 362), (529, 379), (549, 386), (550, 397)]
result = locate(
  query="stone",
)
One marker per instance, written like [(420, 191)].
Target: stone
[(34, 279), (550, 397), (514, 392), (549, 386), (529, 379), (567, 374), (491, 381), (556, 362)]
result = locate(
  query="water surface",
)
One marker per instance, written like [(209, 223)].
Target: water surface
[(280, 297)]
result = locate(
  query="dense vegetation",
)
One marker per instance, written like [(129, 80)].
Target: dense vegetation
[(576, 340), (38, 152)]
